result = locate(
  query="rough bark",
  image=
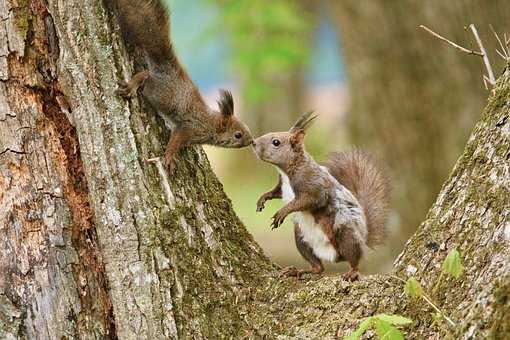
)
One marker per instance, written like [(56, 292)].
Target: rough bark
[(92, 247), (423, 95), (95, 244)]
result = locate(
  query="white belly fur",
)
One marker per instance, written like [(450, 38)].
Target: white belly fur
[(311, 232)]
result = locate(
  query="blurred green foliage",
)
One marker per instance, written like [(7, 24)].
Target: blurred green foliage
[(266, 38)]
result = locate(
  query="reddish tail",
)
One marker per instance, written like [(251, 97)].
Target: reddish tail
[(358, 172), (145, 24)]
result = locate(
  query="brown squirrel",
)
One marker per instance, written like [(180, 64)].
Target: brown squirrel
[(168, 88), (340, 207)]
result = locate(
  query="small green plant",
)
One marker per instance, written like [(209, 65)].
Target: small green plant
[(452, 266), (413, 288), (384, 326)]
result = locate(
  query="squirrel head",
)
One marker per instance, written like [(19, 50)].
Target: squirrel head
[(231, 132), (282, 148)]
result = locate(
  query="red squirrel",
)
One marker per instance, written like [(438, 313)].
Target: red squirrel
[(168, 88), (340, 208)]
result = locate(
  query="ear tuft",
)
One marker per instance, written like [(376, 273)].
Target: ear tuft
[(304, 122), (226, 103)]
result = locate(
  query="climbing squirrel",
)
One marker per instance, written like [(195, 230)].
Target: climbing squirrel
[(145, 25), (340, 208)]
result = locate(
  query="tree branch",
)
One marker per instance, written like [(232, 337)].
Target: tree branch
[(482, 53), (460, 48), (491, 79)]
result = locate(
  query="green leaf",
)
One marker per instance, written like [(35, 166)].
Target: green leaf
[(362, 328), (453, 264), (396, 320), (386, 331), (413, 288)]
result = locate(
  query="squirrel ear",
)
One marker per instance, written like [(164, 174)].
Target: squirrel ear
[(296, 139), (226, 103), (303, 123)]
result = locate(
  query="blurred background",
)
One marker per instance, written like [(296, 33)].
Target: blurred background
[(377, 81)]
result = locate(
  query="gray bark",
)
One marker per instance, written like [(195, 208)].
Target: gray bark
[(72, 167), (95, 244)]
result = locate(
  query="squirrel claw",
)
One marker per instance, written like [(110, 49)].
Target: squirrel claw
[(291, 272), (170, 167), (275, 224), (168, 164), (351, 276), (278, 219), (260, 205), (124, 90)]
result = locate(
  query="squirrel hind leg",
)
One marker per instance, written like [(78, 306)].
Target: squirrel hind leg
[(127, 90), (307, 252), (350, 250)]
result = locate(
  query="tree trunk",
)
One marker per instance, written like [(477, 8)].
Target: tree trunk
[(93, 247), (96, 244), (419, 88)]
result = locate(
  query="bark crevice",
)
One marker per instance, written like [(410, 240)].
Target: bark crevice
[(48, 139)]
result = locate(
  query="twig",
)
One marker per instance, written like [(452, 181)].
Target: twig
[(450, 321), (429, 301), (154, 160), (485, 81), (397, 278), (491, 79), (164, 180), (460, 48), (505, 53)]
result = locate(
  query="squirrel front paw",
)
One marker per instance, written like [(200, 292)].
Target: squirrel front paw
[(124, 90), (261, 202), (168, 163), (278, 219)]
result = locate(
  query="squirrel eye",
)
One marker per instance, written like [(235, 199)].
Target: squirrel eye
[(276, 142), (238, 135)]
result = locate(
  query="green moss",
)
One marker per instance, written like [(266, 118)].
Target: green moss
[(22, 17), (500, 325)]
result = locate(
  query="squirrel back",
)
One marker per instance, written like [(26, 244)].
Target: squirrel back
[(166, 86), (358, 172), (146, 25)]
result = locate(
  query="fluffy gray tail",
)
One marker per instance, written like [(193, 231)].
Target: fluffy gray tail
[(359, 172), (145, 24)]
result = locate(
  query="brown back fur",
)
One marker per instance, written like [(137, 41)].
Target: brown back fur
[(358, 172)]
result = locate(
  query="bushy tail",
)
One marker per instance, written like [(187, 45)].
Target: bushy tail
[(146, 25), (358, 172)]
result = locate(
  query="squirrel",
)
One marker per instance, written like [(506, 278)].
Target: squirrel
[(340, 208), (167, 87)]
